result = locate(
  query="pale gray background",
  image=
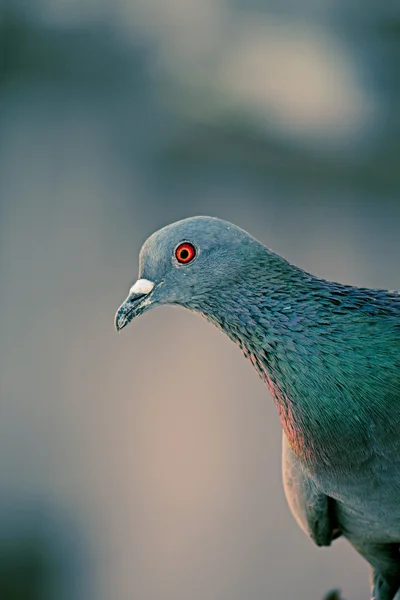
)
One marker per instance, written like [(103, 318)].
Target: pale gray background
[(146, 465)]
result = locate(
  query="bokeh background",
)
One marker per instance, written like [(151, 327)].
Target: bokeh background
[(146, 465)]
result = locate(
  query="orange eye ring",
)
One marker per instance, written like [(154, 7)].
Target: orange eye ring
[(185, 253)]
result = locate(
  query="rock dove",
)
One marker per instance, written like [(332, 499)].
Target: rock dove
[(330, 356)]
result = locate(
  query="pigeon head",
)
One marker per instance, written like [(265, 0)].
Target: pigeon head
[(190, 263)]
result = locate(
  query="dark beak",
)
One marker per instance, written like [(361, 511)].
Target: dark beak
[(134, 304)]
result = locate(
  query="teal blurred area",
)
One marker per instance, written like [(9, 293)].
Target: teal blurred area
[(146, 465)]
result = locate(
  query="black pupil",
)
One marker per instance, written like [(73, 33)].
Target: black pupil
[(184, 254)]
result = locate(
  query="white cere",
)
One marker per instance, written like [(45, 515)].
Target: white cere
[(142, 286)]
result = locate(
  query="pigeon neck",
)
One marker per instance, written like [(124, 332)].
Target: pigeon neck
[(281, 330)]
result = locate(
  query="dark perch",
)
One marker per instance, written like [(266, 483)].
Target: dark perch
[(333, 595)]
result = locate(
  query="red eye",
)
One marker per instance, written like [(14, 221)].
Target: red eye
[(185, 252)]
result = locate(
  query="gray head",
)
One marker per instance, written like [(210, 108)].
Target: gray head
[(190, 262)]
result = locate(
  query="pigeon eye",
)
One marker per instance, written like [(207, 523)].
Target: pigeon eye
[(185, 253)]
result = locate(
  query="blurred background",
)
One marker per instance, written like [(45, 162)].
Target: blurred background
[(146, 465)]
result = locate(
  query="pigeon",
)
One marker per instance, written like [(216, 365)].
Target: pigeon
[(330, 357)]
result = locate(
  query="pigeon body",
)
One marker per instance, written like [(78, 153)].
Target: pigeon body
[(330, 356)]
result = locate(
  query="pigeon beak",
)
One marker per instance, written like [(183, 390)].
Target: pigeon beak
[(134, 302)]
